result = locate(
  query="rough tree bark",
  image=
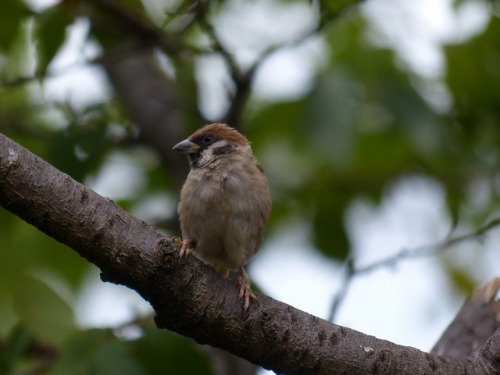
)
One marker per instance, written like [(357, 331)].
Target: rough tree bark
[(474, 323), (192, 299)]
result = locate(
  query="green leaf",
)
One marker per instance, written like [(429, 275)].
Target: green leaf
[(282, 120), (113, 358), (335, 97), (474, 81), (187, 92), (50, 34), (97, 352), (43, 312), (12, 15), (89, 139), (330, 10), (163, 352), (460, 279), (15, 346), (24, 248), (79, 352), (329, 234)]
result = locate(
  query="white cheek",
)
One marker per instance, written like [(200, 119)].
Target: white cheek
[(219, 143), (205, 157)]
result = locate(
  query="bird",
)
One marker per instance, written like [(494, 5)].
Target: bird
[(225, 202)]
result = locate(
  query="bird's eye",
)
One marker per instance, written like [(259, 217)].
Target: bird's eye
[(207, 139)]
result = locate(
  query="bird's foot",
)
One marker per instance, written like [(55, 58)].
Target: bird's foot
[(177, 240), (186, 248), (223, 271), (245, 289)]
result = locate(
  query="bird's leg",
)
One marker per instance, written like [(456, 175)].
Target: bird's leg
[(186, 248), (224, 272), (245, 288)]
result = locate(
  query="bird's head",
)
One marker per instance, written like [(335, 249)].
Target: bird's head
[(212, 142)]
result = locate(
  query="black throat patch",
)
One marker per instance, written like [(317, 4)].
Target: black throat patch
[(193, 159)]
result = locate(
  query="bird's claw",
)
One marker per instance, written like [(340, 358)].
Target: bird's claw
[(186, 248), (247, 294), (177, 240), (246, 290)]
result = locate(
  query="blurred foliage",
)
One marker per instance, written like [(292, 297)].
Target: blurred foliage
[(102, 352), (364, 123), (50, 34)]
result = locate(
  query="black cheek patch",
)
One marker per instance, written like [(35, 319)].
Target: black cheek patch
[(193, 159), (223, 150)]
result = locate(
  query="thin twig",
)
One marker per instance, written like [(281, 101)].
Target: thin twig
[(425, 250), (324, 20), (344, 288), (242, 79), (403, 254)]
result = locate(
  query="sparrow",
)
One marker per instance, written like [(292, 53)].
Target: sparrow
[(224, 203)]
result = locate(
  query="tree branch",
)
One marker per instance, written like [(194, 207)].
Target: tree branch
[(476, 321), (191, 298), (417, 252)]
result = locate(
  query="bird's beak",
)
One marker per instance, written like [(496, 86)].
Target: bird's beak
[(186, 147)]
